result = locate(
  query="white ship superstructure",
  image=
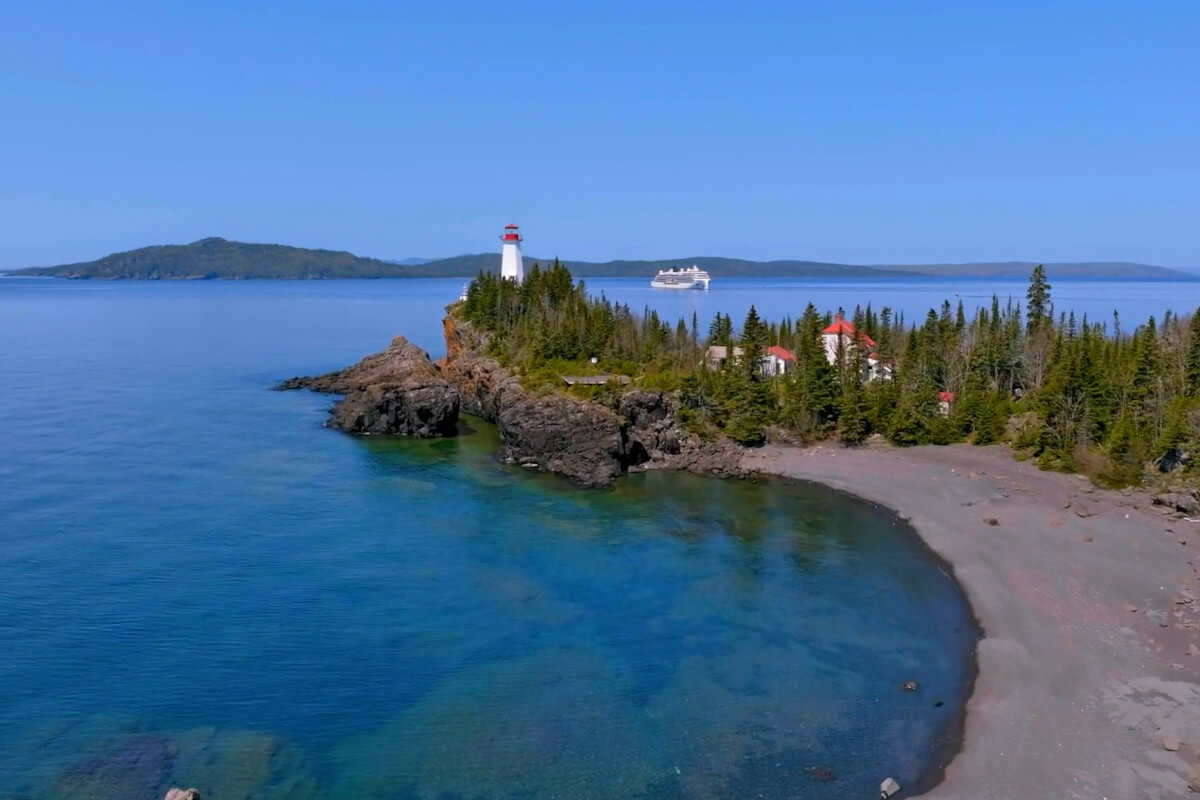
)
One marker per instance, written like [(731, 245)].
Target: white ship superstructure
[(681, 278)]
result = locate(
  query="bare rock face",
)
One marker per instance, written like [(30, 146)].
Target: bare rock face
[(655, 440), (588, 442), (561, 434), (548, 432), (400, 391), (395, 391)]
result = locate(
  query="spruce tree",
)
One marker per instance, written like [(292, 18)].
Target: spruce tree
[(1037, 300), (1193, 354), (853, 423), (883, 342), (754, 340)]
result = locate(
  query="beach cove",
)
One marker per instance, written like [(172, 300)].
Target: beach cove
[(1089, 680)]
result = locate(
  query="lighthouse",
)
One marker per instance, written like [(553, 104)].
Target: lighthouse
[(511, 266)]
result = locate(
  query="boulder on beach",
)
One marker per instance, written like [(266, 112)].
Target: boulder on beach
[(1181, 502)]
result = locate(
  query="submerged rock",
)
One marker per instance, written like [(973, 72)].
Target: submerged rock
[(182, 794), (395, 391), (823, 774), (133, 770)]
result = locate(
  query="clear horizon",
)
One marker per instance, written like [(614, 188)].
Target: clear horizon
[(862, 134)]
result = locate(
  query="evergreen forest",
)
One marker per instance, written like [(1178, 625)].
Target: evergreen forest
[(1081, 395)]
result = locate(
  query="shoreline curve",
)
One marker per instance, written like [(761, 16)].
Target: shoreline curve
[(949, 742), (1089, 662)]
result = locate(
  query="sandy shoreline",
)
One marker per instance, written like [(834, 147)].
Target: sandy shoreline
[(1076, 689)]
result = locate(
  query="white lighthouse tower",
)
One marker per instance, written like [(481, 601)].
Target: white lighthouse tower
[(511, 266)]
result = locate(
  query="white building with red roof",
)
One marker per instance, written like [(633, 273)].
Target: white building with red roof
[(842, 337), (777, 361)]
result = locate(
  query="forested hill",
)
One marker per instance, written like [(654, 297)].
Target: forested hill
[(219, 258)]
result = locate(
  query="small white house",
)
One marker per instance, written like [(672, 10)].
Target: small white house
[(777, 361), (880, 369)]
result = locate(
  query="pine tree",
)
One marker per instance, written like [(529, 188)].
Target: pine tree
[(720, 331), (754, 340), (1193, 354), (1037, 300), (853, 424), (883, 343)]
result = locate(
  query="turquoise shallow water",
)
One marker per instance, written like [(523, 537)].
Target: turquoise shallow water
[(200, 585)]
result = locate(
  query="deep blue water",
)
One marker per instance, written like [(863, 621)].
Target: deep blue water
[(200, 585)]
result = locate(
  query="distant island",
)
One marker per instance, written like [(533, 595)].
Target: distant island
[(220, 259)]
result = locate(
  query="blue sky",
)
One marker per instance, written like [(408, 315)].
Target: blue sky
[(877, 132)]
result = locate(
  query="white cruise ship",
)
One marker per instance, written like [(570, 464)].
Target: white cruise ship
[(679, 278)]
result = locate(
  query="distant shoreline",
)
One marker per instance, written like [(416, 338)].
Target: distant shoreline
[(221, 259), (897, 278)]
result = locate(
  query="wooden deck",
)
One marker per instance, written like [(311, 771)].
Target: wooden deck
[(594, 380)]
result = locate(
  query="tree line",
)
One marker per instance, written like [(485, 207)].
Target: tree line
[(1078, 394)]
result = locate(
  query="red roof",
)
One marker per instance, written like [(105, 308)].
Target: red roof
[(946, 397), (781, 353), (506, 227), (840, 326)]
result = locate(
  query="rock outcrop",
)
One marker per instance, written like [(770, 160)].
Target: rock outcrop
[(395, 391), (1180, 501), (400, 391), (590, 442)]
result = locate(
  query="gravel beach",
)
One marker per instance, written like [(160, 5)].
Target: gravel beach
[(1089, 669)]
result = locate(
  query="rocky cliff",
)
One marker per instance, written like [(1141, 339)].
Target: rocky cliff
[(395, 391), (400, 391), (590, 442)]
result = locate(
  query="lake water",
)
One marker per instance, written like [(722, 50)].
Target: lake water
[(775, 298), (200, 585)]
